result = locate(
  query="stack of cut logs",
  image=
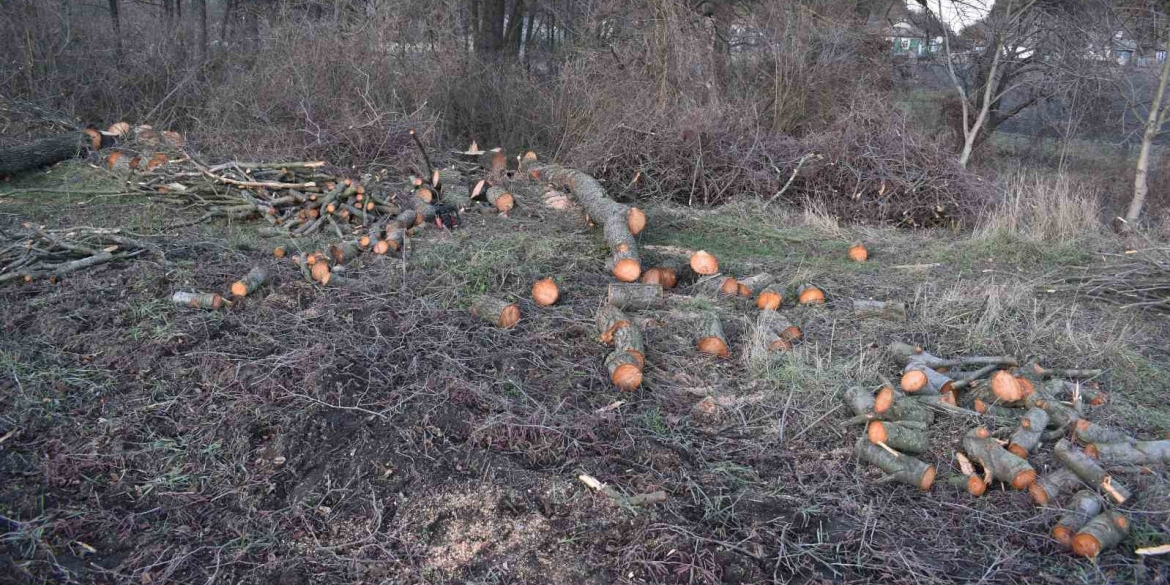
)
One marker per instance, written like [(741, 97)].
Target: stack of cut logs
[(1027, 408)]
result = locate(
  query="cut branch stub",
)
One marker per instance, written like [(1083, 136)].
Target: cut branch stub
[(709, 338), (902, 468), (1003, 465), (635, 220), (496, 311), (1026, 438), (1103, 532), (198, 300), (635, 296), (1089, 471), (251, 281), (1082, 507), (1053, 485)]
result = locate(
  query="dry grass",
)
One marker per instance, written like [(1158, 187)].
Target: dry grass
[(1040, 207)]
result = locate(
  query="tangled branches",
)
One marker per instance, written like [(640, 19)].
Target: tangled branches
[(1143, 282), (40, 253)]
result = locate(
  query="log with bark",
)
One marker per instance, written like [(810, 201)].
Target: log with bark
[(1026, 438), (1089, 471), (610, 319), (717, 286), (1053, 485), (1086, 431), (498, 312), (704, 263), (624, 262), (863, 404), (903, 436), (1004, 466), (709, 338), (628, 358), (1082, 507), (635, 296), (1131, 452), (251, 281), (752, 285), (775, 332), (922, 380), (47, 151), (888, 310), (198, 300), (1103, 532), (907, 353), (889, 404), (900, 467)]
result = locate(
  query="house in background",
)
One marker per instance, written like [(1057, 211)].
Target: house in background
[(1126, 51), (907, 39)]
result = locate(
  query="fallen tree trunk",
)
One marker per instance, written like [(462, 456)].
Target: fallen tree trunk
[(908, 353), (1091, 432), (1082, 507), (46, 151), (1105, 531), (624, 263), (902, 468), (1089, 471), (1131, 453)]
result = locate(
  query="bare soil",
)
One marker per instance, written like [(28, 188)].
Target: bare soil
[(380, 434)]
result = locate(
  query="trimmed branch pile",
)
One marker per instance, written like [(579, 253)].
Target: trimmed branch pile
[(1028, 408), (48, 254), (1142, 281)]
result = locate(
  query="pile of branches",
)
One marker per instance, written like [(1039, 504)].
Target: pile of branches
[(865, 168), (1141, 281), (37, 253)]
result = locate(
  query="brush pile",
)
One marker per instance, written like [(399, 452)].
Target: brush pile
[(1026, 407), (37, 253), (1140, 281)]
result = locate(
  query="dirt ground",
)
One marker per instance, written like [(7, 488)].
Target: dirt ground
[(380, 434)]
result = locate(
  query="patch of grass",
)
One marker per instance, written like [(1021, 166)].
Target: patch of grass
[(1139, 391)]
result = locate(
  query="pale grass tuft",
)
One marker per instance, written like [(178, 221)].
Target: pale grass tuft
[(818, 219), (1042, 208)]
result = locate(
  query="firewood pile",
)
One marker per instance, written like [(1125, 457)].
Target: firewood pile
[(1027, 407), (35, 253)]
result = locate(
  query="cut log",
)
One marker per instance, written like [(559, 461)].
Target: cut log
[(198, 300), (609, 320), (425, 194), (1089, 471), (1081, 507), (407, 219), (892, 405), (1103, 532), (662, 276), (709, 338), (498, 312), (629, 340), (859, 400), (278, 252), (344, 251), (750, 286), (925, 381), (545, 292), (1131, 453), (704, 263), (717, 286), (251, 281), (904, 436), (1026, 438), (975, 484), (858, 253), (808, 294), (1059, 415), (624, 370), (888, 310), (46, 151), (501, 199), (1051, 486), (635, 296), (1091, 432), (320, 271), (1007, 387), (775, 332), (1004, 466), (902, 468), (771, 297), (624, 262)]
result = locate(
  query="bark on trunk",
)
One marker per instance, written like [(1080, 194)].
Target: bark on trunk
[(635, 296), (43, 152), (904, 436), (1082, 506), (251, 281), (1154, 120), (609, 320), (1026, 438), (775, 332), (1091, 432), (1105, 531), (1089, 471), (902, 468), (497, 312), (1005, 466), (1131, 453), (1053, 485), (624, 262)]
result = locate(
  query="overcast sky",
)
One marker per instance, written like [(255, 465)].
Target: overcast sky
[(957, 13)]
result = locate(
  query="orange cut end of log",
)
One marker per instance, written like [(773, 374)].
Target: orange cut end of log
[(1098, 400), (1038, 494), (1006, 386), (370, 206), (669, 277), (505, 202), (928, 478), (545, 292), (1017, 450), (627, 377), (703, 262), (95, 138), (627, 270), (639, 356), (730, 287), (913, 381), (216, 301), (1086, 545), (119, 128), (769, 300), (980, 406), (982, 432), (744, 291), (1082, 424), (1063, 535), (278, 252), (884, 400), (1024, 479), (1121, 522), (948, 398), (113, 160), (499, 161), (172, 138), (713, 346), (509, 316), (811, 295), (976, 486), (876, 431), (791, 333), (780, 345), (858, 253), (425, 194), (381, 247), (652, 276), (636, 221), (1092, 451), (320, 272), (364, 241), (239, 289), (1025, 386)]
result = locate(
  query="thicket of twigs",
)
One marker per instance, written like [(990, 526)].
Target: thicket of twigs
[(1141, 280)]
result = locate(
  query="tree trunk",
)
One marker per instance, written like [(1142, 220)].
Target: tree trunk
[(1141, 186), (1005, 466), (202, 11), (43, 152), (117, 22), (1089, 471), (490, 30), (902, 468)]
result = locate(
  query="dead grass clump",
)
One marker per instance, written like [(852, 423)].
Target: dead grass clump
[(1042, 208)]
